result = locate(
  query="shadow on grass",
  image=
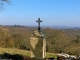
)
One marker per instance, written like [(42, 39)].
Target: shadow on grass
[(18, 57), (13, 57)]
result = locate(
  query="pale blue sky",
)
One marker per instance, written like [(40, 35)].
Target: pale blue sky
[(52, 12)]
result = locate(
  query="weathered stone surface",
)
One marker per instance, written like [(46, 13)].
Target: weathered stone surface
[(38, 45)]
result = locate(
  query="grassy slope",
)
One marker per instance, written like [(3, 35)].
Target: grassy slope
[(22, 52), (14, 51)]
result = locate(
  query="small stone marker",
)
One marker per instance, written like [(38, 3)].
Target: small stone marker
[(38, 43)]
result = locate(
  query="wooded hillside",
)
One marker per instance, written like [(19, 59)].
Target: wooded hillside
[(58, 40)]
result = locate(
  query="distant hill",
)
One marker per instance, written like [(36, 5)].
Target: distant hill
[(61, 27)]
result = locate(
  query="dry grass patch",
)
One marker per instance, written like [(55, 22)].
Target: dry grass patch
[(14, 51), (22, 52)]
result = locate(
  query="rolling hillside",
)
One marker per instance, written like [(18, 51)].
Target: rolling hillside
[(58, 40)]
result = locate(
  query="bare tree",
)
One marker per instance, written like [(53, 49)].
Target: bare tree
[(2, 2)]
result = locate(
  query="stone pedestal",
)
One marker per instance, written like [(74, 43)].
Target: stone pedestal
[(38, 45)]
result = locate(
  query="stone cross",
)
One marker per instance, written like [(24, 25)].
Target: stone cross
[(38, 43), (39, 23)]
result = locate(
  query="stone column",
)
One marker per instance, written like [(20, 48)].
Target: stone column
[(38, 45)]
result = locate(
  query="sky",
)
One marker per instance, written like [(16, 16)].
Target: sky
[(51, 12)]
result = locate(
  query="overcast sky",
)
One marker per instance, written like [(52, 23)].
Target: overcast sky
[(51, 12)]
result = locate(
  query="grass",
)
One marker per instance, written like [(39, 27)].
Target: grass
[(22, 52), (48, 55), (14, 51)]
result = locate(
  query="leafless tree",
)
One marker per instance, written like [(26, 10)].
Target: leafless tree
[(2, 2)]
